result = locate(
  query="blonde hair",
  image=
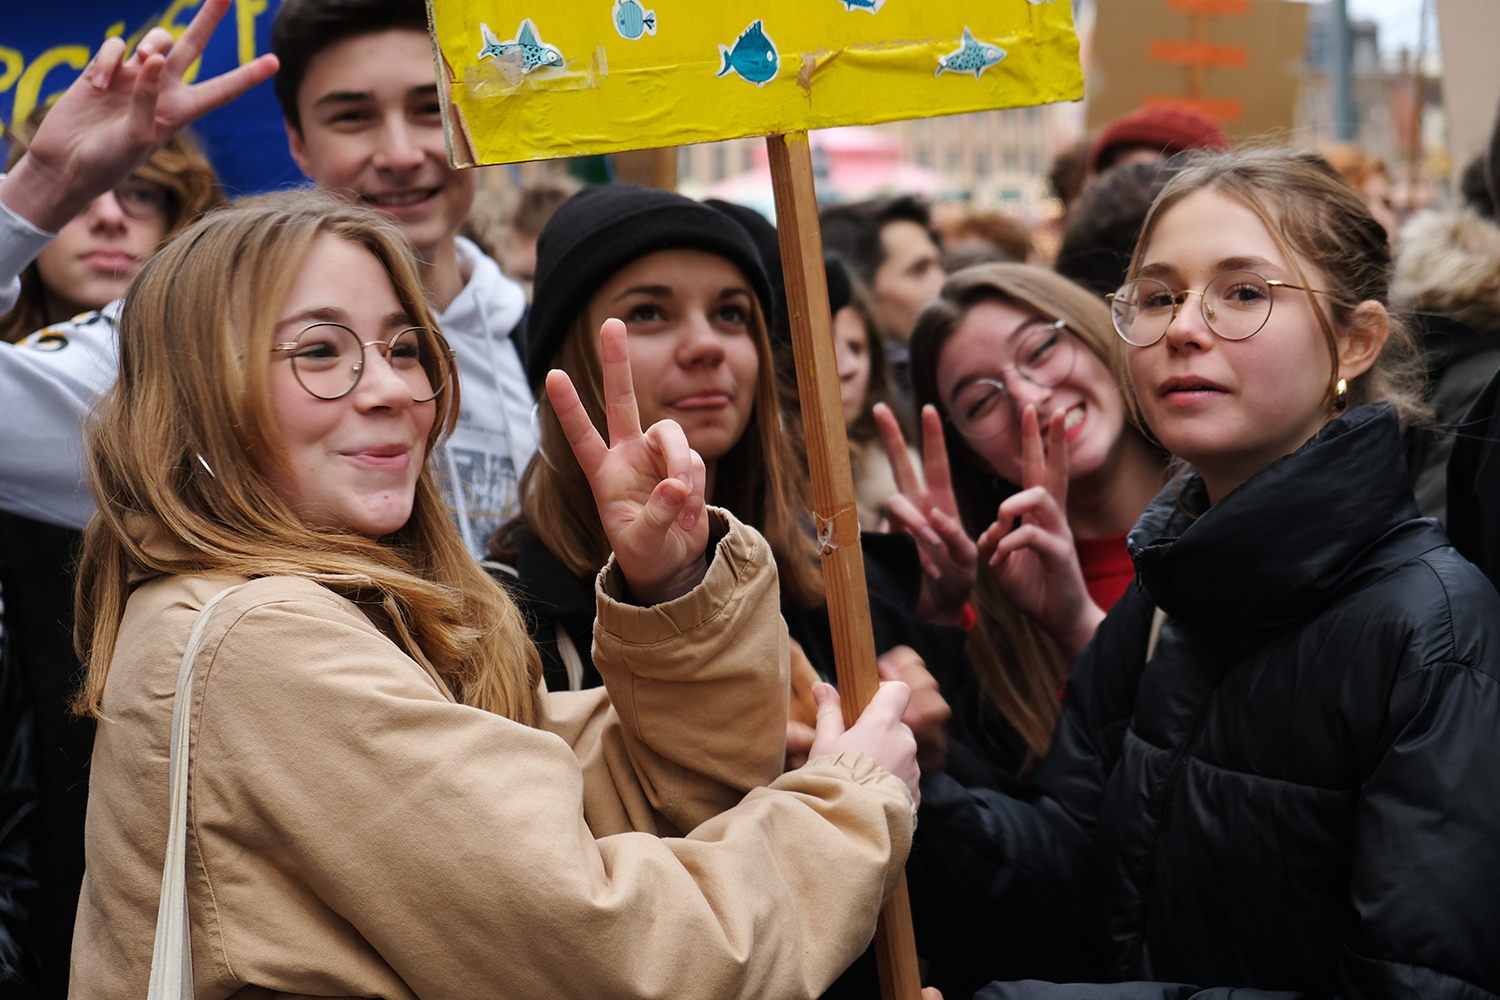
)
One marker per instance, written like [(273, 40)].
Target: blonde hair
[(1312, 214), (180, 166), (757, 479), (1020, 668), (192, 395)]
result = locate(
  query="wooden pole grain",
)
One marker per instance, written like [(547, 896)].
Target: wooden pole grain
[(836, 516)]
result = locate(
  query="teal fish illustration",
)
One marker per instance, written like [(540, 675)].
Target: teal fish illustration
[(973, 56), (632, 20), (534, 51), (873, 6), (753, 56)]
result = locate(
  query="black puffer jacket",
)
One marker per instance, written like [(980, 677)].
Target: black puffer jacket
[(1300, 789)]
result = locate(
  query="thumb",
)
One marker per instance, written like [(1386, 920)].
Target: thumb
[(830, 715), (661, 511)]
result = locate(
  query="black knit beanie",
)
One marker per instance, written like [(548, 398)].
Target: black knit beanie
[(601, 229)]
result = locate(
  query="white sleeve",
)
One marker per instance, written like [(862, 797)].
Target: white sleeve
[(20, 242), (48, 383)]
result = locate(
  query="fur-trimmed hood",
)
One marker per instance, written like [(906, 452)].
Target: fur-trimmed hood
[(1449, 264)]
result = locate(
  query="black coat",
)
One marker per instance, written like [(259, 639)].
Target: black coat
[(1474, 483), (1300, 790)]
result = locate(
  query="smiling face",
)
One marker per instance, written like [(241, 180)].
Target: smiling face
[(692, 352), (851, 345), (372, 131), (995, 334), (1230, 407), (353, 462), (96, 255)]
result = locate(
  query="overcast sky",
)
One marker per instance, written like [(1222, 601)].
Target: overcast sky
[(1399, 20)]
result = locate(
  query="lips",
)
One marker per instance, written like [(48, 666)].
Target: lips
[(712, 400), (110, 260), (386, 457), (1186, 390), (400, 199)]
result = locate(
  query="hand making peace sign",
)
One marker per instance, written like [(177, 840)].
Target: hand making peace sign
[(1035, 563), (649, 486)]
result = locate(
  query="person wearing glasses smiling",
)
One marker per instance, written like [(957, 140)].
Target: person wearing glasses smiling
[(1274, 771)]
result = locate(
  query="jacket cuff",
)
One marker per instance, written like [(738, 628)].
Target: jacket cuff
[(861, 769), (739, 548)]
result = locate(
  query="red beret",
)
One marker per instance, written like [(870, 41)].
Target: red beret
[(1171, 128)]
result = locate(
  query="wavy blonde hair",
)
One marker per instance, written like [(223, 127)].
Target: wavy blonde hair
[(192, 395)]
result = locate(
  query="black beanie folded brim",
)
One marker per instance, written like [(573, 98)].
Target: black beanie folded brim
[(600, 230)]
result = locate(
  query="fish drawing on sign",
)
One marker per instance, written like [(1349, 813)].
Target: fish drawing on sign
[(534, 52), (973, 56), (753, 56), (873, 6), (632, 20)]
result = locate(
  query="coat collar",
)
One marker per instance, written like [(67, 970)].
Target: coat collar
[(1334, 513)]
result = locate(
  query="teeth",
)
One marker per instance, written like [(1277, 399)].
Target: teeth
[(1073, 419), (400, 200)]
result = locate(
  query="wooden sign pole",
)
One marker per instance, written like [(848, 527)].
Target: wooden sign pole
[(833, 496)]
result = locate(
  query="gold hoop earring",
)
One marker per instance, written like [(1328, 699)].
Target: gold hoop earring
[(1341, 395)]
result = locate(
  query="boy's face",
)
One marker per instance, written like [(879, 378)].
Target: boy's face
[(372, 132)]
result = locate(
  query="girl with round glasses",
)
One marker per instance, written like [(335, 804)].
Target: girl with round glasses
[(1022, 419), (1274, 770), (382, 798)]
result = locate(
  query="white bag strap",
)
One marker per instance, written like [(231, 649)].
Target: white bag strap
[(172, 956)]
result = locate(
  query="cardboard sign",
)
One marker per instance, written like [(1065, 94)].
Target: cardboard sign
[(529, 81)]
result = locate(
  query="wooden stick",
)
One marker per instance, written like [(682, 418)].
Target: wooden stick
[(833, 496)]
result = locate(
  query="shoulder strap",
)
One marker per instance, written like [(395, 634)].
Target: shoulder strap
[(172, 955)]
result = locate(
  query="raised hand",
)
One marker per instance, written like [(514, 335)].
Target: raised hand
[(1034, 563), (930, 515), (116, 114), (649, 487), (879, 731)]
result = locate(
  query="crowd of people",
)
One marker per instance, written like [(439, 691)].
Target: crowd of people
[(493, 654)]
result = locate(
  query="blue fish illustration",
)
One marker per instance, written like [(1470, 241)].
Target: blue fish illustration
[(534, 52), (973, 56), (753, 56), (632, 20), (873, 6)]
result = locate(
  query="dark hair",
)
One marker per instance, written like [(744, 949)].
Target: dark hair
[(853, 231), (1069, 168), (1106, 222), (304, 28), (1476, 189), (882, 385), (180, 166)]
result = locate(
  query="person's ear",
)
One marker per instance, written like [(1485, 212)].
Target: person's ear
[(298, 149), (1362, 340)]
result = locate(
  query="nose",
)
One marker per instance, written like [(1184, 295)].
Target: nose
[(698, 344), (104, 212), (1024, 392), (380, 385), (1188, 329), (397, 149)]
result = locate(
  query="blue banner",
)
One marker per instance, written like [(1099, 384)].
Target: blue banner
[(44, 46)]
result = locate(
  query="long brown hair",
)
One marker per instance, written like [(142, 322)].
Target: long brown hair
[(1020, 668), (1313, 215), (180, 166), (192, 395), (757, 479)]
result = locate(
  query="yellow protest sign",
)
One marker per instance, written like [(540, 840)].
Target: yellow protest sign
[(528, 81)]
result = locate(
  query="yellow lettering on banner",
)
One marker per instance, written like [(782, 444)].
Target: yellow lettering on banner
[(115, 30), (30, 87), (245, 13), (14, 62)]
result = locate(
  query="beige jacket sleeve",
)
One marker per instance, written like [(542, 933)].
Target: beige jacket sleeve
[(353, 832), (697, 695)]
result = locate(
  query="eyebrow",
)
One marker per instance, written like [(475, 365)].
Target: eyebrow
[(333, 314), (357, 96), (1220, 266), (973, 377), (665, 292)]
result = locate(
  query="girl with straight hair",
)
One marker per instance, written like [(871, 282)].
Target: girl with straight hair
[(1274, 769), (382, 798)]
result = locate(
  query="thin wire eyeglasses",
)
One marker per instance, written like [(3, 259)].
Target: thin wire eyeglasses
[(328, 360), (1045, 358), (1235, 305)]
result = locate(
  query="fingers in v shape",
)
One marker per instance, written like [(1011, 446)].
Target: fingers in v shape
[(621, 415)]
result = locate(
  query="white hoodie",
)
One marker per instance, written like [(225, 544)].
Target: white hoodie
[(49, 381)]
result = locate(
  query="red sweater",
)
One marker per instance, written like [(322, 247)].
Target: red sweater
[(1107, 569)]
